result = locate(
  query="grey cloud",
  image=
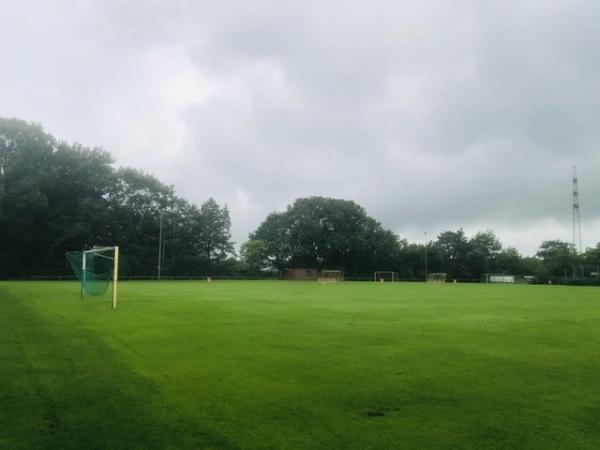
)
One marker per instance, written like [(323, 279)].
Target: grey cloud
[(432, 115)]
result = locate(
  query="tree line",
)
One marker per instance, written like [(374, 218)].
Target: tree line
[(56, 197), (327, 233)]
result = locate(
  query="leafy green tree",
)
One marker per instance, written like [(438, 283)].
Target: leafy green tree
[(56, 197), (254, 254), (273, 232), (326, 233), (214, 236), (455, 251), (509, 261), (411, 261), (25, 150), (593, 254), (531, 265), (484, 250), (591, 257), (557, 257), (380, 250), (137, 200), (78, 212), (53, 198)]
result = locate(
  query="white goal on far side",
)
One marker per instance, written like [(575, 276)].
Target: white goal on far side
[(385, 275)]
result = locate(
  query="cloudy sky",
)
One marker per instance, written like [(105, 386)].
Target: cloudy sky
[(432, 114)]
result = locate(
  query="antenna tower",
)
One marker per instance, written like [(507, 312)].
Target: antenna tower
[(576, 216)]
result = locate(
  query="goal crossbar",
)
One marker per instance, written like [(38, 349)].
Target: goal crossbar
[(97, 252), (436, 277), (380, 275), (94, 275), (330, 276)]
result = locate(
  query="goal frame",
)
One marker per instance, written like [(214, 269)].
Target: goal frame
[(115, 280), (377, 273), (436, 277), (326, 279)]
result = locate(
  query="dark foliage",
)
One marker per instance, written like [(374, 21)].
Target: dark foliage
[(56, 197)]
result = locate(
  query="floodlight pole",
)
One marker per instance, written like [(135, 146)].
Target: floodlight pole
[(160, 244), (577, 245), (426, 251)]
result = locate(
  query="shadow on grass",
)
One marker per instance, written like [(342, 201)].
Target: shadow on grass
[(63, 388)]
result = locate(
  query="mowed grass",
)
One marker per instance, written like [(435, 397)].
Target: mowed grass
[(292, 365)]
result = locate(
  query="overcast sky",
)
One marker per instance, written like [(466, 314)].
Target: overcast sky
[(431, 114)]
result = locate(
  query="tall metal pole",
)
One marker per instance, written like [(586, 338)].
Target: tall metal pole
[(159, 245), (426, 251), (577, 245)]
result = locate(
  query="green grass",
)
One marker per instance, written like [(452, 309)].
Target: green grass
[(284, 365)]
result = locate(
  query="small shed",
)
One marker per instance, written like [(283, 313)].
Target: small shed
[(301, 273)]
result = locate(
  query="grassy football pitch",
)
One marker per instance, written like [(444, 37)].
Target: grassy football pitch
[(292, 365)]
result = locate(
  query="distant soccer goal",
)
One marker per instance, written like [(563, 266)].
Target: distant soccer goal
[(385, 275), (330, 276), (96, 269), (436, 277), (497, 278)]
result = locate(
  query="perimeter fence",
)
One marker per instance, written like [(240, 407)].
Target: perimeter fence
[(561, 281)]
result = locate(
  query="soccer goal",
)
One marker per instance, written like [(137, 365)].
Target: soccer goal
[(436, 278), (96, 269), (497, 278), (330, 276), (385, 275)]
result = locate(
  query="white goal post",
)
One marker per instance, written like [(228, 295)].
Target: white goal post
[(385, 275)]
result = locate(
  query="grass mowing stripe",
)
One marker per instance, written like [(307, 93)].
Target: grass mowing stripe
[(21, 412), (66, 389)]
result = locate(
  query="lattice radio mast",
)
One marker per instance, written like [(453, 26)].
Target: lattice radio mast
[(576, 215)]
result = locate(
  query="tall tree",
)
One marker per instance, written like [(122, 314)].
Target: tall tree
[(56, 197), (53, 197), (326, 233), (78, 211), (275, 248), (254, 254), (215, 234), (558, 258), (484, 249), (455, 251), (25, 152), (592, 259)]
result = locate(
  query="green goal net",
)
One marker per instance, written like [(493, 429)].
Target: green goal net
[(95, 269)]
